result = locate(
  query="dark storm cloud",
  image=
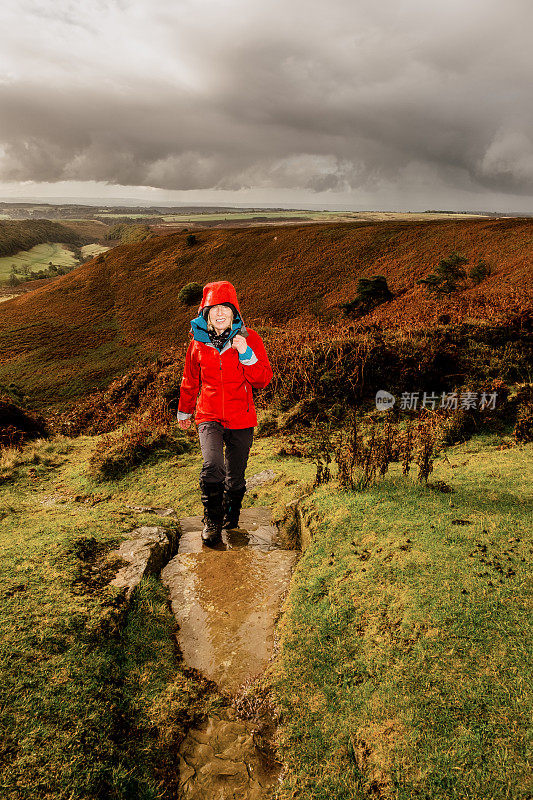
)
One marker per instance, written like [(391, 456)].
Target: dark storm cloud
[(226, 95)]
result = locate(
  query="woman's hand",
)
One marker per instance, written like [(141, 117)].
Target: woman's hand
[(184, 423), (239, 343)]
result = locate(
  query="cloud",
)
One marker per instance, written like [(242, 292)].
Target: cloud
[(232, 94), (509, 159)]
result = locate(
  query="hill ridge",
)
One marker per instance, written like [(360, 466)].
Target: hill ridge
[(121, 307)]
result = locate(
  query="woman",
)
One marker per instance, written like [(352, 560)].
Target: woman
[(229, 360)]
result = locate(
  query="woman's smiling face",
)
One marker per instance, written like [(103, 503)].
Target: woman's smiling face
[(220, 317)]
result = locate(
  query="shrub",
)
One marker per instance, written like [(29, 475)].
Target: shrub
[(370, 292), (458, 426), (372, 452), (479, 272), (115, 455), (447, 275), (191, 240), (523, 430), (18, 425), (190, 293)]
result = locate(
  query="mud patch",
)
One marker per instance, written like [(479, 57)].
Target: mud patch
[(223, 759)]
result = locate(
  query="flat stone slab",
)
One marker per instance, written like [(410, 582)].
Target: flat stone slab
[(226, 599)]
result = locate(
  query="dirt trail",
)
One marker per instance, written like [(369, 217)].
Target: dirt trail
[(226, 600)]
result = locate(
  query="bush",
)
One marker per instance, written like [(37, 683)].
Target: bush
[(191, 240), (190, 293), (362, 455), (479, 272), (523, 430), (370, 292), (456, 427), (448, 274), (115, 455), (18, 425), (523, 402)]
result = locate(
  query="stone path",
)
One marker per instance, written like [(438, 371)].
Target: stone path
[(226, 600)]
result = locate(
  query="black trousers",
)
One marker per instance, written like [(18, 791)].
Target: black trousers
[(231, 466)]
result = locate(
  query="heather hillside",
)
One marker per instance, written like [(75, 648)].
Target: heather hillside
[(71, 336)]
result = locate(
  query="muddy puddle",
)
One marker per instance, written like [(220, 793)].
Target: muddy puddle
[(226, 599)]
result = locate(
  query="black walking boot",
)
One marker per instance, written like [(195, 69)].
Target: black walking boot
[(212, 497), (232, 507)]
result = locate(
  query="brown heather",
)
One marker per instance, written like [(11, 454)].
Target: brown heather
[(71, 336)]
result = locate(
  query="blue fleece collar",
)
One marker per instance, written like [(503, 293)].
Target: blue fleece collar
[(199, 328)]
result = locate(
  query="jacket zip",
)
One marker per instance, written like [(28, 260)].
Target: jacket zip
[(247, 396), (221, 383)]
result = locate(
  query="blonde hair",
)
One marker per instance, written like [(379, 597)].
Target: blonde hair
[(210, 326)]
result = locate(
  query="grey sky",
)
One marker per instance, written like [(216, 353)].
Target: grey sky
[(399, 104)]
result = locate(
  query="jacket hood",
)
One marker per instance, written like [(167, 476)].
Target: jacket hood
[(219, 292)]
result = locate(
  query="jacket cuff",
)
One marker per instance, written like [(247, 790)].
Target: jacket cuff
[(183, 415), (248, 357)]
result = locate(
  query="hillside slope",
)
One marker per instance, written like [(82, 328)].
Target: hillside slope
[(70, 337), (18, 235)]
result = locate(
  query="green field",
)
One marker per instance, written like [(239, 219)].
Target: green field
[(89, 250), (39, 257), (406, 648)]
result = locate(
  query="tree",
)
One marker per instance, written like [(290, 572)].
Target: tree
[(447, 275), (370, 292)]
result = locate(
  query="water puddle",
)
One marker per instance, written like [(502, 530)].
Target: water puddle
[(226, 599)]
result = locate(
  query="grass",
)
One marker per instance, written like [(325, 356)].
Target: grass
[(403, 648), (90, 250), (105, 355), (39, 257), (406, 646), (92, 702)]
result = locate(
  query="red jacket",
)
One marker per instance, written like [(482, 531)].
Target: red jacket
[(226, 377)]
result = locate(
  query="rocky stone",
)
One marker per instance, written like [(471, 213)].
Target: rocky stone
[(161, 512), (260, 478), (146, 549)]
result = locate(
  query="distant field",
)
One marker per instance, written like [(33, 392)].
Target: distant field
[(297, 215), (89, 250), (38, 258), (112, 215)]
